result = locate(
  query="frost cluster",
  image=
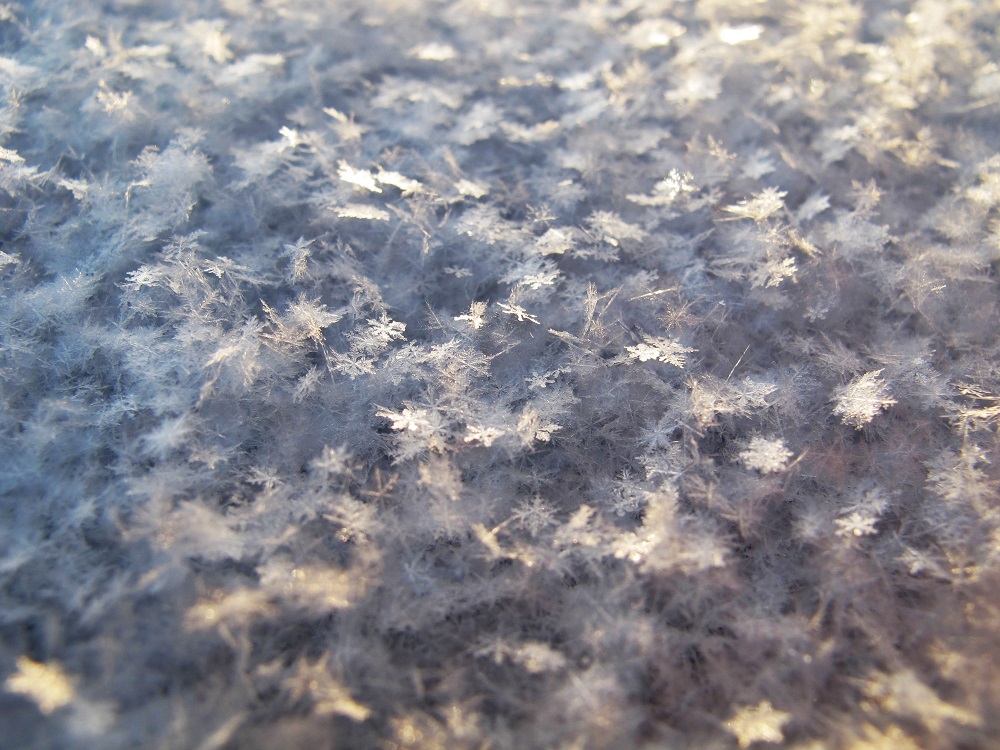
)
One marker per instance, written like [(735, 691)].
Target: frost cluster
[(499, 374)]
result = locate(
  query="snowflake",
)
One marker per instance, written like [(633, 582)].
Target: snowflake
[(485, 224), (46, 684), (814, 205), (333, 461), (766, 456), (353, 364), (478, 124), (696, 85), (409, 420), (765, 204), (344, 126), (611, 228), (855, 236), (533, 273), (536, 281), (666, 191), (860, 400), (144, 276), (654, 32), (760, 723), (471, 189), (407, 185), (537, 657), (530, 427), (643, 352), (544, 433), (292, 138), (626, 496), (476, 317), (361, 211), (483, 435), (386, 330), (661, 349), (170, 435), (361, 178), (317, 682), (299, 254), (635, 547), (759, 164), (519, 312), (305, 319), (856, 524), (434, 51), (534, 515), (554, 242), (538, 380), (734, 35), (772, 271)]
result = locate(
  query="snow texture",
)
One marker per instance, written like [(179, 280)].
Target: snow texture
[(499, 374)]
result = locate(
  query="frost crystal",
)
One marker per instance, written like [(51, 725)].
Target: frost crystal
[(760, 723), (660, 349), (361, 211), (358, 177), (862, 399), (856, 524), (762, 206), (766, 456)]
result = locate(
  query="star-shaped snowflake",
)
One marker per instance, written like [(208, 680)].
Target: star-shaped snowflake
[(760, 723)]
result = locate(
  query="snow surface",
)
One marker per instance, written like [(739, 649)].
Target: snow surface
[(499, 374)]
